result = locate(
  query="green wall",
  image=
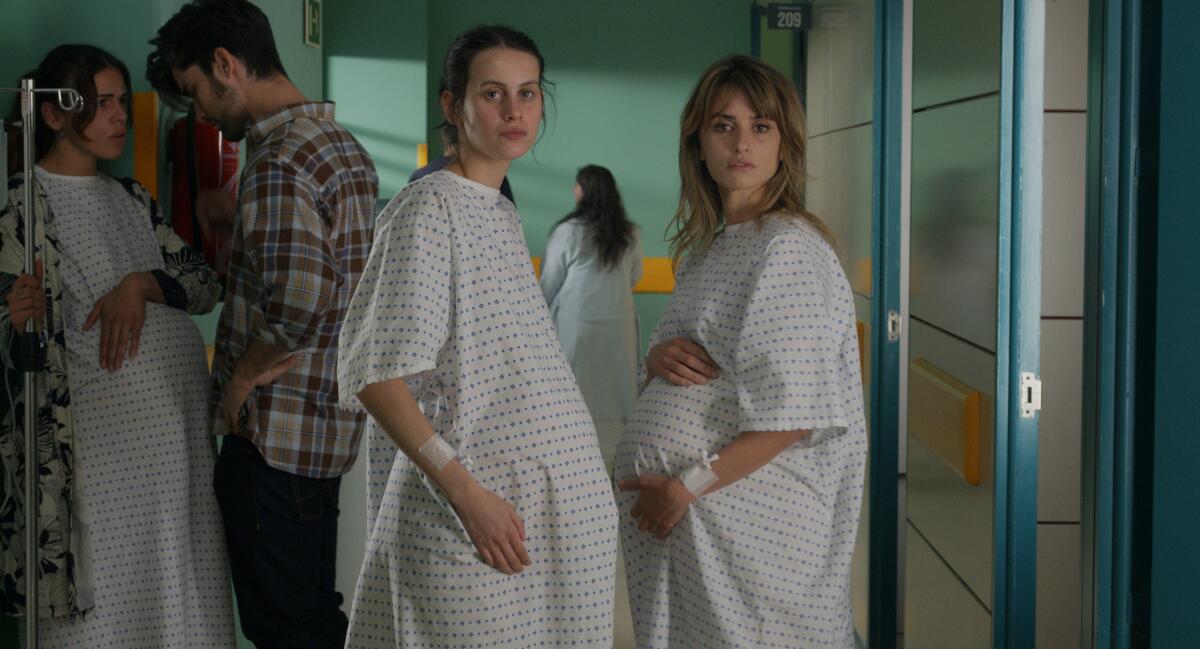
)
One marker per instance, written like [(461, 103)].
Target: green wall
[(1175, 567), (622, 72), (375, 69)]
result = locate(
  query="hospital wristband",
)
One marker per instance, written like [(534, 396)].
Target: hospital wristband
[(437, 451), (699, 476)]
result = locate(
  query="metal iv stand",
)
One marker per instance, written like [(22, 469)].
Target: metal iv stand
[(68, 100)]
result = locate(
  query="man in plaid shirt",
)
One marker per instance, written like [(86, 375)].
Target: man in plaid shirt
[(300, 241)]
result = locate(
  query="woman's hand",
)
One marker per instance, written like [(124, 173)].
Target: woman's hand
[(491, 523), (682, 362), (661, 502), (26, 299), (121, 313), (495, 529)]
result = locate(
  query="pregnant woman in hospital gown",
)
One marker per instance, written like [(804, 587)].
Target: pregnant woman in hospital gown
[(496, 526), (742, 464), (130, 541)]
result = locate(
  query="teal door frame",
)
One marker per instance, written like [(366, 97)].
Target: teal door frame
[(884, 561), (1018, 326), (1118, 391), (1165, 525)]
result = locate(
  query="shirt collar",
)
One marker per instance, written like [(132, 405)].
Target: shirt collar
[(322, 110)]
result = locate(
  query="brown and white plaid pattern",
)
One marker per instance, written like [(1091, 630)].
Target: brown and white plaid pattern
[(303, 231)]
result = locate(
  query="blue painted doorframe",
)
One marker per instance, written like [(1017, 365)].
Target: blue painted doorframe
[(1018, 323), (1170, 564), (1117, 387), (883, 618)]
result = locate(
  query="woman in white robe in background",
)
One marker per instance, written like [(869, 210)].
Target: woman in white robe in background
[(593, 259)]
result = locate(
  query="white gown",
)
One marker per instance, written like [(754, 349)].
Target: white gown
[(765, 561), (150, 548), (449, 301), (593, 313)]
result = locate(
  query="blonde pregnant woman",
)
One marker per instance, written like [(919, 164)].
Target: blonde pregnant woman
[(742, 465)]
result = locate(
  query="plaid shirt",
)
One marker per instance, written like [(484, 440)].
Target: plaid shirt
[(303, 231)]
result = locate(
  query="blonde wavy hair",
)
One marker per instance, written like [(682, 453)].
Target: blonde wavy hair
[(698, 217)]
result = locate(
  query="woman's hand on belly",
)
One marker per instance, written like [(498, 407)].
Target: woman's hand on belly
[(494, 527), (121, 313), (660, 504), (682, 362)]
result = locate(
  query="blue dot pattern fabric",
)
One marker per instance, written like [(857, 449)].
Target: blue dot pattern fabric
[(450, 303), (765, 561), (150, 546)]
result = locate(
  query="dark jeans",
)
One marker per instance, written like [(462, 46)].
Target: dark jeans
[(281, 530)]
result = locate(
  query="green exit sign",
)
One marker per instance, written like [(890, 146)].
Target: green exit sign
[(796, 17)]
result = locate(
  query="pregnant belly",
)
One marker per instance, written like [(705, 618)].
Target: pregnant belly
[(170, 351), (673, 426)]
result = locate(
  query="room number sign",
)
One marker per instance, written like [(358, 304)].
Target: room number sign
[(796, 17)]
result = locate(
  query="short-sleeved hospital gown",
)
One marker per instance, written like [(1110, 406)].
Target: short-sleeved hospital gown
[(449, 301), (765, 561)]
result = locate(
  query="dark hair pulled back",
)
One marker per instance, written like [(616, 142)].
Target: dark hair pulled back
[(456, 67)]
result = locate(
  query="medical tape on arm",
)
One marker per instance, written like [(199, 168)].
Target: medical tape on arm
[(700, 476), (437, 451)]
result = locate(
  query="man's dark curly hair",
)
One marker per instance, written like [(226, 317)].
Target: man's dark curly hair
[(192, 35)]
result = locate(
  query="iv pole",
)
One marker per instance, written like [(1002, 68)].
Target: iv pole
[(68, 100)]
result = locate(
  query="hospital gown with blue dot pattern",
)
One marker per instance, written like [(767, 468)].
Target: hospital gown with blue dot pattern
[(765, 561), (149, 544), (449, 302)]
